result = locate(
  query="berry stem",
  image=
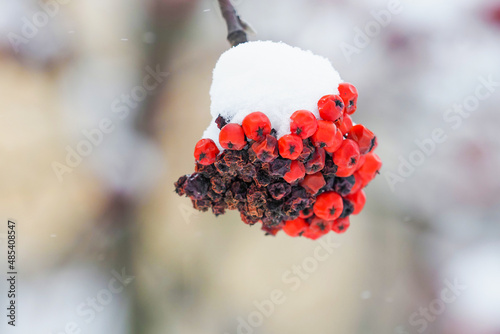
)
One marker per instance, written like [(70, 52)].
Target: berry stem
[(235, 27)]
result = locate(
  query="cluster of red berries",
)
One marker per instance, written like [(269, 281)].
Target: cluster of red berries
[(306, 183)]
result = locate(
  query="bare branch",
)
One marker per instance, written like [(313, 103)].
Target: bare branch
[(236, 33)]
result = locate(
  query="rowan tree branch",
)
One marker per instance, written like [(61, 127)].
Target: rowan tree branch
[(236, 33)]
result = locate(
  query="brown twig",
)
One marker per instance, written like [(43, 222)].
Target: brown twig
[(236, 33)]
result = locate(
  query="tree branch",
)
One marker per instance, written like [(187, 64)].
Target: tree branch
[(236, 33)]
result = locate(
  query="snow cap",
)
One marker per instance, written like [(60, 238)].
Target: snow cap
[(270, 77)]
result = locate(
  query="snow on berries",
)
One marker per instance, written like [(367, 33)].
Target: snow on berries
[(281, 147)]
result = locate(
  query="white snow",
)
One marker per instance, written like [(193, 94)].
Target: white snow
[(270, 77)]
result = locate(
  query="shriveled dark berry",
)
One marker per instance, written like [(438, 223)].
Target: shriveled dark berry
[(348, 208), (279, 190), (218, 185), (238, 158), (219, 208), (201, 204), (247, 172), (222, 167), (179, 185), (307, 150), (262, 178), (266, 150), (256, 196), (280, 166), (197, 186), (206, 170), (231, 202), (239, 190), (220, 121), (343, 185), (330, 182), (214, 196), (330, 168), (316, 162)]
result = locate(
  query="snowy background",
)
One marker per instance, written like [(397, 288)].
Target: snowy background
[(108, 247)]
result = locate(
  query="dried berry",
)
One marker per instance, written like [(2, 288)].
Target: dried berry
[(343, 185), (179, 185), (262, 179), (220, 121), (279, 190), (307, 150), (279, 167), (347, 209), (317, 161), (266, 150), (197, 186)]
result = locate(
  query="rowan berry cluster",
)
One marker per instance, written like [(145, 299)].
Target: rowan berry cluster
[(305, 183)]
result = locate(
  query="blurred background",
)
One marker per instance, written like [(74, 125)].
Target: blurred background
[(106, 246)]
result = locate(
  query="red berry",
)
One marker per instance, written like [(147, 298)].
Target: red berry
[(313, 183), (358, 200), (345, 171), (306, 213), (361, 161), (349, 95), (232, 137), (316, 162), (370, 168), (266, 150), (338, 139), (290, 146), (256, 125), (328, 206), (205, 151), (317, 228), (331, 107), (295, 227), (271, 230), (344, 124), (303, 124), (347, 155), (324, 135), (358, 183), (297, 171), (341, 225), (364, 137)]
